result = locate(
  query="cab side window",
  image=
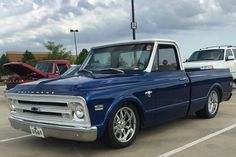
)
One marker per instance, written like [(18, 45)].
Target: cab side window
[(234, 50), (166, 58), (228, 53), (62, 68)]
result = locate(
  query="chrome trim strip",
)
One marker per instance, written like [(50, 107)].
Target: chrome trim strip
[(39, 97)]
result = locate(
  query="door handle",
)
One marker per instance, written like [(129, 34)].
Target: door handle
[(183, 79)]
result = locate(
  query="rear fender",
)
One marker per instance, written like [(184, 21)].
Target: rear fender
[(219, 88), (199, 105)]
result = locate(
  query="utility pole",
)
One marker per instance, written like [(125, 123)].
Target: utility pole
[(133, 23), (74, 31)]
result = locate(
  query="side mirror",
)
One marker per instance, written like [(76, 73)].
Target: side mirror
[(230, 58)]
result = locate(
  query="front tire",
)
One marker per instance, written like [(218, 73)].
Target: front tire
[(123, 126), (211, 108)]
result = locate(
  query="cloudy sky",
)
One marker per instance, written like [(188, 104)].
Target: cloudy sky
[(26, 24)]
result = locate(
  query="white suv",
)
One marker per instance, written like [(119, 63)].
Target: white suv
[(216, 57)]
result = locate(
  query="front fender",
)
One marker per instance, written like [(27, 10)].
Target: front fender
[(116, 103)]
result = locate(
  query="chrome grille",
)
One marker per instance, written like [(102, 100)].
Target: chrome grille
[(52, 109), (41, 107)]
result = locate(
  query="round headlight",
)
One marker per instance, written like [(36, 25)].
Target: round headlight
[(79, 112)]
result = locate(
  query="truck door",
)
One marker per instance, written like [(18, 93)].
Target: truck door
[(171, 91)]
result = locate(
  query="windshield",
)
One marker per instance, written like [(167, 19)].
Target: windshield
[(216, 54), (123, 57), (46, 67)]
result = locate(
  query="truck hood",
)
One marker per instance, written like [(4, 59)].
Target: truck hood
[(74, 85), (198, 64), (24, 70)]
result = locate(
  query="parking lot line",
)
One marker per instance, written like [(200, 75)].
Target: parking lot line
[(14, 138), (229, 103), (177, 150)]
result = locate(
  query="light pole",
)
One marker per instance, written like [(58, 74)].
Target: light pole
[(133, 23), (74, 31)]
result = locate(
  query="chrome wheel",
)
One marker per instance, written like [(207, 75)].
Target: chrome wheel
[(124, 124), (213, 102)]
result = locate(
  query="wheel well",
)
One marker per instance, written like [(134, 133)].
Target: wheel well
[(220, 92), (136, 106), (140, 112)]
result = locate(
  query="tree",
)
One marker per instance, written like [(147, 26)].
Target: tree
[(29, 58), (83, 54), (3, 60), (57, 51)]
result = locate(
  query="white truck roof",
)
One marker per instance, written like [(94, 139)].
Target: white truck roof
[(218, 47), (134, 41)]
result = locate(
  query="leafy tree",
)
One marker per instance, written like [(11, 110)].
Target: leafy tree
[(29, 58), (57, 51), (3, 60), (83, 54)]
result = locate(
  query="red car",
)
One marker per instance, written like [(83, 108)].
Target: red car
[(27, 73)]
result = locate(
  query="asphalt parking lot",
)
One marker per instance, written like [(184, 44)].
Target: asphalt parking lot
[(181, 138)]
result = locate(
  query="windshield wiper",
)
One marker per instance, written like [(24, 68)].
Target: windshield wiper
[(113, 69), (86, 71)]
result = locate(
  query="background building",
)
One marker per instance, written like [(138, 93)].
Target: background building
[(16, 56)]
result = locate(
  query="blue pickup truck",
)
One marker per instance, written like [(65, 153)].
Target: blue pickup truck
[(119, 89)]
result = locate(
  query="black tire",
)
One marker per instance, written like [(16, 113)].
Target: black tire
[(110, 138), (206, 112)]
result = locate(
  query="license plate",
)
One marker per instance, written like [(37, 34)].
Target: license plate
[(36, 131)]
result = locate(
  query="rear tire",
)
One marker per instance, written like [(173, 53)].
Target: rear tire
[(122, 127), (211, 108)]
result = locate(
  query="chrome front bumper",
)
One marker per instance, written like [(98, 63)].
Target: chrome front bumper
[(85, 134)]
